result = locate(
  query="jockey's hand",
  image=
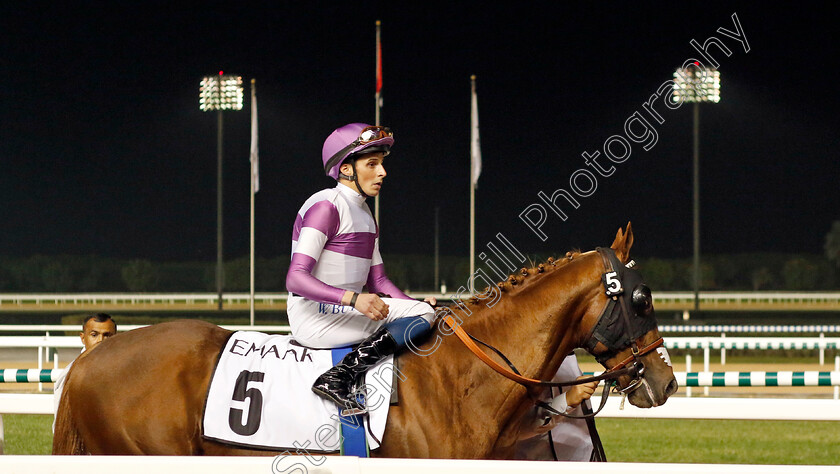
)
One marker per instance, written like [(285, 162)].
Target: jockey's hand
[(431, 300), (579, 393), (372, 306)]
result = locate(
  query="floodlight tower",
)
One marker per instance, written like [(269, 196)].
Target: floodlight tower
[(220, 93), (696, 84)]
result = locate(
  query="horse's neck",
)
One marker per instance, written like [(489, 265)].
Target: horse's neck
[(534, 328), (538, 326)]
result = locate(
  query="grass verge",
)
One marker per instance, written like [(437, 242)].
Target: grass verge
[(720, 441), (625, 440)]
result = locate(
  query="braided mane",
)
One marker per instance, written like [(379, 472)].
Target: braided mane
[(526, 277)]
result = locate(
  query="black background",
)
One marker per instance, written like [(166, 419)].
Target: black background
[(104, 149)]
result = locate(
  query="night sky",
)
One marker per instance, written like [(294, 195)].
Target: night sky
[(104, 149)]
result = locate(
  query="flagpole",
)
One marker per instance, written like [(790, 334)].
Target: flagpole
[(378, 68), (473, 129), (253, 186), (437, 249), (378, 98)]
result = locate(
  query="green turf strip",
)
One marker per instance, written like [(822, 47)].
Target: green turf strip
[(625, 440), (720, 441)]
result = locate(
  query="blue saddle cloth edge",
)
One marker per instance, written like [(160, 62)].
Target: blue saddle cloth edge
[(351, 428)]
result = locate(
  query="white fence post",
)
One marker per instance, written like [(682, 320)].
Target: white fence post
[(687, 369), (40, 366), (706, 363), (822, 348)]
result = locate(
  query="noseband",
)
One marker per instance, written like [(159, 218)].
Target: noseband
[(615, 329)]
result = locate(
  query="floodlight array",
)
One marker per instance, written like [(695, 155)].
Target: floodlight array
[(696, 84), (222, 92)]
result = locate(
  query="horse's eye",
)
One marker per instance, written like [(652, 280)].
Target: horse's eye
[(642, 300)]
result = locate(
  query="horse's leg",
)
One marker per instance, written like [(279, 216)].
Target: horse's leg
[(144, 392)]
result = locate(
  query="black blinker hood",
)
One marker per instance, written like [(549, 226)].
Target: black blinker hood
[(619, 283)]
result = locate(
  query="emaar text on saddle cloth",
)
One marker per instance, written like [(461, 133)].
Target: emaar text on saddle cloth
[(248, 349)]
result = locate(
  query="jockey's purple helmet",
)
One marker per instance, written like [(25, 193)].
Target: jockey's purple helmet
[(348, 140)]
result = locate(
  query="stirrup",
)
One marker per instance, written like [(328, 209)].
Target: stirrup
[(357, 399), (354, 411)]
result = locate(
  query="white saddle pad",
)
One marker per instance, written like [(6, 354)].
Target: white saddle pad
[(260, 396)]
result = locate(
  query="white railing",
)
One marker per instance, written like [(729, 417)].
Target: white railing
[(752, 342), (30, 375), (707, 344), (685, 379), (75, 328), (27, 300), (708, 299), (664, 329), (746, 297), (750, 328)]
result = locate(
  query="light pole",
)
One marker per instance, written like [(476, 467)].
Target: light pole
[(220, 93), (696, 84)]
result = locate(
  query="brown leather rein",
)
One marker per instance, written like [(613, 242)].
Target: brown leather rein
[(613, 373)]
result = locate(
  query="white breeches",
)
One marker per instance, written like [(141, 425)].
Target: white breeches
[(324, 325)]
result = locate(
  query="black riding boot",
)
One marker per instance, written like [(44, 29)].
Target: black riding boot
[(337, 383)]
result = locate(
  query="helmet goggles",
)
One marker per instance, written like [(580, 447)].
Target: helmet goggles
[(374, 132), (366, 135)]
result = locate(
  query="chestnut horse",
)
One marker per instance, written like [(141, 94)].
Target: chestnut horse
[(143, 391)]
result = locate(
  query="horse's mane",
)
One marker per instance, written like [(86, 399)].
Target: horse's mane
[(526, 277)]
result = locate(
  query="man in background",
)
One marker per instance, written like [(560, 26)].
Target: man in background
[(95, 329)]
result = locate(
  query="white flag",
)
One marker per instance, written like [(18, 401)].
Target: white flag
[(475, 146), (255, 149)]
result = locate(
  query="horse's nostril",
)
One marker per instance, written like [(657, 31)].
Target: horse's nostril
[(671, 388)]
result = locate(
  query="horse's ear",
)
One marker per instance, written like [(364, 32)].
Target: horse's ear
[(622, 243)]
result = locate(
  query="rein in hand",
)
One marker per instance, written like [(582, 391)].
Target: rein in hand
[(513, 374)]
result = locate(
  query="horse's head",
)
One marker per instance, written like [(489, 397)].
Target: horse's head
[(622, 329)]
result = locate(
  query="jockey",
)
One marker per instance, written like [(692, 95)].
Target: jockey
[(339, 293)]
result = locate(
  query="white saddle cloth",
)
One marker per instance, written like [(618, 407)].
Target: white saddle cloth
[(260, 396)]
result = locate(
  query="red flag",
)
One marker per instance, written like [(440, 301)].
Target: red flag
[(378, 61)]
